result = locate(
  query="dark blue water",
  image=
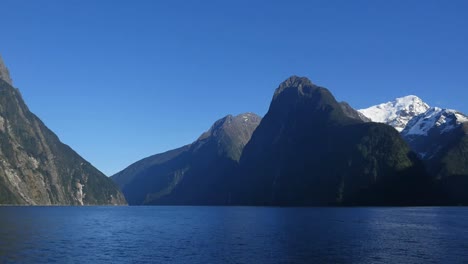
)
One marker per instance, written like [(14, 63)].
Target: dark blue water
[(232, 235)]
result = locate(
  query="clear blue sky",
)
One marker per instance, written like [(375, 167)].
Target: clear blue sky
[(122, 80)]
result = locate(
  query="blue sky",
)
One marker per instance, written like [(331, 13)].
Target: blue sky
[(122, 80)]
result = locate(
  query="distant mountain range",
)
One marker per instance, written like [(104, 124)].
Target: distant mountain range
[(307, 150), (36, 168)]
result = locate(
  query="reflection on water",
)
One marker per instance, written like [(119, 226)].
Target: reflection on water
[(232, 235)]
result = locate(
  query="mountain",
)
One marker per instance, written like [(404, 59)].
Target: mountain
[(36, 168), (199, 173), (396, 113), (308, 151), (426, 129), (438, 136), (428, 132), (351, 112), (450, 167)]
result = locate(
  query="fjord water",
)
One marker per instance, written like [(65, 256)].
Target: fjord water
[(166, 234)]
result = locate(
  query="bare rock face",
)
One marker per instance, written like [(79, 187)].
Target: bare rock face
[(4, 73), (36, 168)]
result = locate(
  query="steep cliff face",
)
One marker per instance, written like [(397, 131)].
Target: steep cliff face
[(37, 169), (4, 73)]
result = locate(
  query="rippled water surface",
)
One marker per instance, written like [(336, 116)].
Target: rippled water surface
[(164, 234)]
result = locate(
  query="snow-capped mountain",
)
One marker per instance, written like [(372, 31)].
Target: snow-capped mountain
[(427, 130), (396, 113), (432, 131), (442, 120)]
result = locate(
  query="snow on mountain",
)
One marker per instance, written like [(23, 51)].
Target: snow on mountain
[(461, 117), (396, 113), (444, 120), (426, 129), (432, 131)]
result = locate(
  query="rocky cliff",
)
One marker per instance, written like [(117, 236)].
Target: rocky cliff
[(36, 168)]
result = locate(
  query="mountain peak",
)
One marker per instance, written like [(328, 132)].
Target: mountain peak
[(231, 134), (4, 73), (230, 122), (302, 84), (396, 113)]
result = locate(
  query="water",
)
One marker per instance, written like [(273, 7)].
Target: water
[(165, 234)]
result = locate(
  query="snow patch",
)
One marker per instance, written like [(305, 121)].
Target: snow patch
[(461, 118)]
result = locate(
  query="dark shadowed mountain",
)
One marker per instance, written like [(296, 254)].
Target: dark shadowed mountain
[(310, 150), (440, 137), (38, 169), (351, 112), (450, 167), (199, 173)]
